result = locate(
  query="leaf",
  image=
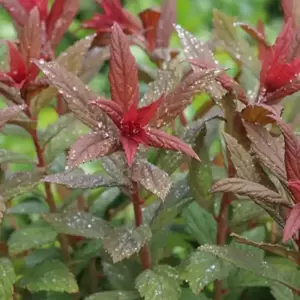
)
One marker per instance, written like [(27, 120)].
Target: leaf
[(76, 95), (273, 248), (200, 174), (7, 278), (201, 268), (151, 178), (91, 146), (28, 207), (292, 224), (249, 189), (251, 262), (121, 276), (122, 243), (7, 156), (165, 24), (73, 61), (181, 96), (161, 283), (2, 209), (241, 159), (38, 256), (114, 295), (226, 34), (291, 9), (77, 179), (187, 294), (10, 113), (10, 93), (18, 183), (30, 238), (123, 76), (268, 149), (51, 275), (78, 224), (30, 43), (15, 9), (200, 224)]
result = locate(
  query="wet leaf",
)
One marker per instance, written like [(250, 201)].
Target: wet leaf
[(10, 93), (200, 224), (28, 207), (162, 282), (273, 248), (7, 156), (10, 113), (291, 9), (15, 9), (252, 262), (30, 43), (78, 224), (63, 138), (292, 223), (151, 178), (268, 149), (51, 275), (122, 243), (31, 237), (250, 189), (78, 179), (241, 159), (18, 183), (202, 268), (7, 278), (76, 95), (200, 174), (114, 295), (123, 76), (90, 147)]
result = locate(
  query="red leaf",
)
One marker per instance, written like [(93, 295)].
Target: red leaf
[(255, 33), (17, 65), (59, 19), (15, 9), (294, 187), (89, 147), (42, 6), (262, 48), (150, 18), (146, 113), (123, 74), (165, 24), (291, 9), (292, 152), (160, 139), (130, 147), (292, 224)]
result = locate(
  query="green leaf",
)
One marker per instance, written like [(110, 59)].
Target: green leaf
[(200, 224), (200, 173), (51, 275), (122, 275), (7, 279), (40, 255), (161, 283), (115, 295), (202, 268), (79, 224), (28, 207), (121, 243), (7, 156), (280, 292), (64, 139), (29, 238), (187, 294), (18, 183)]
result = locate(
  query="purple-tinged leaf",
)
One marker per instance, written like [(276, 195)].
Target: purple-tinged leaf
[(16, 10), (165, 24), (273, 248), (30, 42), (151, 178), (268, 149), (122, 243), (79, 224), (77, 95), (250, 189), (78, 179), (11, 93), (90, 147), (291, 9), (292, 224), (182, 95), (10, 113), (123, 74)]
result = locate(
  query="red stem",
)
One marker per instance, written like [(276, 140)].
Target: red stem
[(137, 205)]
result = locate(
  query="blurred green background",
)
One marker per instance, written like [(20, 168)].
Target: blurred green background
[(193, 15)]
